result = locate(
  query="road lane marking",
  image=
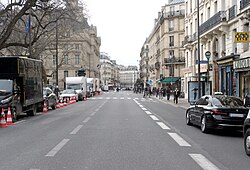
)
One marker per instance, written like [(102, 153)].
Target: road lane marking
[(163, 126), (203, 162), (143, 108), (92, 114), (154, 117), (148, 112), (76, 129), (136, 98), (107, 97), (122, 98), (140, 105), (179, 139), (86, 120), (128, 98), (57, 148), (114, 97), (19, 122)]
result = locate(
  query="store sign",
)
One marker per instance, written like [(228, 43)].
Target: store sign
[(241, 37), (243, 63), (203, 68)]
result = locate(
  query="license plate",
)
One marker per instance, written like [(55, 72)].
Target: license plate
[(236, 115)]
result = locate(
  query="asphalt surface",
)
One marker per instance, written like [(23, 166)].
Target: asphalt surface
[(118, 130)]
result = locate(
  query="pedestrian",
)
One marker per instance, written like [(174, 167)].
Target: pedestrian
[(195, 89), (168, 93), (176, 95)]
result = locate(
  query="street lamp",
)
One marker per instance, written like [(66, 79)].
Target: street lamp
[(208, 54)]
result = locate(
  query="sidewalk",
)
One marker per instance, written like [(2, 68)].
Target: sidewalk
[(182, 102)]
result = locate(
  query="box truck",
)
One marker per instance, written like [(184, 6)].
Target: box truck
[(21, 85), (79, 84)]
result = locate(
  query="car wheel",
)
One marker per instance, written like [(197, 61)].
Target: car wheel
[(247, 142), (188, 122), (204, 128)]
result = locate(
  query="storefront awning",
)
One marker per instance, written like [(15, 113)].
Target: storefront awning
[(170, 80)]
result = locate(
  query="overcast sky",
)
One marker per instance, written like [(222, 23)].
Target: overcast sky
[(123, 26)]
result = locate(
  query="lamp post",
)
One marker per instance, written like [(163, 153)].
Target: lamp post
[(208, 54), (198, 49)]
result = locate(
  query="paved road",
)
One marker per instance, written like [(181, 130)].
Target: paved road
[(117, 131)]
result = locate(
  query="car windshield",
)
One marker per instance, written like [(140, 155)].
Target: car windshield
[(74, 86), (68, 91), (6, 86), (227, 101)]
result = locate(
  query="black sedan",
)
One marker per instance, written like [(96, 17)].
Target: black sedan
[(246, 131), (217, 112)]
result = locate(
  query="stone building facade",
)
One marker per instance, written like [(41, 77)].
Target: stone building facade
[(78, 47)]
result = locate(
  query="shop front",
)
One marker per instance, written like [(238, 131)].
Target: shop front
[(242, 70), (227, 77)]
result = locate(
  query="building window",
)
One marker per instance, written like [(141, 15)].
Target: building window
[(201, 19), (77, 59), (66, 74), (246, 45), (171, 25), (215, 7), (171, 41), (77, 46), (54, 60), (65, 59), (208, 12)]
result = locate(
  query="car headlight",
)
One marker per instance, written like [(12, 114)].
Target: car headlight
[(6, 100)]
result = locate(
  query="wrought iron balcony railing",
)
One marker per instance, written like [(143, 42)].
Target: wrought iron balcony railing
[(213, 21), (174, 60), (244, 4), (175, 13), (190, 38), (157, 65), (232, 12)]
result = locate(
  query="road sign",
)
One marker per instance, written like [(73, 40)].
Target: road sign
[(241, 37), (208, 53)]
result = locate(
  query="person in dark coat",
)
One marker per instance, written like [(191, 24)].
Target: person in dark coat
[(168, 93), (176, 95)]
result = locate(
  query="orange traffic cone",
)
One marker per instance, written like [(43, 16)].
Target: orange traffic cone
[(61, 102), (45, 107), (65, 102), (9, 117), (2, 120), (57, 104)]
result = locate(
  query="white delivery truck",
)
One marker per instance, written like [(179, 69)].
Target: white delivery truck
[(79, 84), (90, 87)]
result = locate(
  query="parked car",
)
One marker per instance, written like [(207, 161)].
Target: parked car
[(68, 94), (50, 98), (246, 132), (217, 112)]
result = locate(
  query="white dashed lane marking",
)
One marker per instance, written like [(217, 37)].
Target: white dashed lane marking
[(179, 139), (148, 112), (203, 162), (76, 129), (86, 120), (57, 148), (163, 126), (154, 117)]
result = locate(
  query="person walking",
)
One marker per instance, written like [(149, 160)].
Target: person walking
[(176, 95), (168, 93)]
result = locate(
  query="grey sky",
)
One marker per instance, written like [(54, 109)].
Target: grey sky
[(123, 26)]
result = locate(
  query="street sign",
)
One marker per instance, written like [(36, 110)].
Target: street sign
[(208, 53), (150, 82), (241, 37)]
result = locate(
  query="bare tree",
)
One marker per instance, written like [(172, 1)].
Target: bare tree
[(27, 26)]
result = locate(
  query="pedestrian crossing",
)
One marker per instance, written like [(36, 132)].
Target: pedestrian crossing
[(123, 98)]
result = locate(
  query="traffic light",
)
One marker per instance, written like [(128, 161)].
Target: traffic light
[(81, 72)]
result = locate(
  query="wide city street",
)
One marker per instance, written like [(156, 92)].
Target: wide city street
[(118, 131)]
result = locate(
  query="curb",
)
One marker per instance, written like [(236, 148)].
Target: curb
[(172, 104)]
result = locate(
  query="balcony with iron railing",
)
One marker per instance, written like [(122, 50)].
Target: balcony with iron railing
[(232, 12), (174, 60), (190, 38), (244, 4), (157, 65), (213, 21), (174, 13)]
